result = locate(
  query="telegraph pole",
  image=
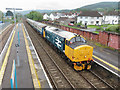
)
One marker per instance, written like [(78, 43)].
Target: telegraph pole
[(18, 44), (14, 12)]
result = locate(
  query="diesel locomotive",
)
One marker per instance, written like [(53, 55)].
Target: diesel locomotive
[(73, 46)]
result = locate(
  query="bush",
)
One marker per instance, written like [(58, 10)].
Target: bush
[(79, 24), (46, 20), (113, 28)]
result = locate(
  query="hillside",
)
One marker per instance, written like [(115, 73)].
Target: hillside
[(41, 11), (97, 6), (100, 6)]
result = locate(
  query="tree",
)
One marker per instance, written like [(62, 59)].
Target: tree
[(9, 13), (37, 16), (1, 16)]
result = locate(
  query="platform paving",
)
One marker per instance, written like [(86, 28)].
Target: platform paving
[(110, 58), (24, 78)]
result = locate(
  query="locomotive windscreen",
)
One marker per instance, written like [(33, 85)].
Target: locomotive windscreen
[(77, 41)]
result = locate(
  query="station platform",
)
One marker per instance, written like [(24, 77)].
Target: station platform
[(19, 51), (107, 58)]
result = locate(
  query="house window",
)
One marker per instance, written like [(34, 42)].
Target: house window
[(92, 17), (97, 22), (86, 17), (85, 21), (97, 17), (92, 22), (81, 17)]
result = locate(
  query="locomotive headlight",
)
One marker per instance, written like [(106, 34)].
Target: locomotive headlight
[(85, 56)]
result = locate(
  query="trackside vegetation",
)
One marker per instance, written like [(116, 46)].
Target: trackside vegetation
[(34, 15), (113, 28)]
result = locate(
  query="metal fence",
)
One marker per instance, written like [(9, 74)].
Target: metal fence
[(4, 25)]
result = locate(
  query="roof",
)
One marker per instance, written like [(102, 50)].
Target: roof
[(60, 32), (90, 13), (62, 18), (55, 14), (116, 13), (38, 23)]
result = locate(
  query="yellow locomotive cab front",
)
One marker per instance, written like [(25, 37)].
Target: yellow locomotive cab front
[(79, 54), (82, 57), (83, 53)]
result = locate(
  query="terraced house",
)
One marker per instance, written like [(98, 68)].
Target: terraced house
[(90, 18), (112, 17)]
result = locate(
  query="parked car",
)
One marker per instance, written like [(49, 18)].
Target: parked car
[(71, 24)]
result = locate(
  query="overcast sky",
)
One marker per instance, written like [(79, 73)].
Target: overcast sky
[(46, 4)]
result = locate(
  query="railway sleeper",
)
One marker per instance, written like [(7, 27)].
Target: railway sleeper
[(78, 66)]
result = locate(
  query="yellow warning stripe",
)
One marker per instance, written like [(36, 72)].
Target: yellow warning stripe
[(116, 68), (2, 71), (36, 82)]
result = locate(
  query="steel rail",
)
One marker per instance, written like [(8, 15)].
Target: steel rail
[(102, 80), (72, 86), (88, 81)]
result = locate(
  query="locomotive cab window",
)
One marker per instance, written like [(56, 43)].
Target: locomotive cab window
[(77, 41), (83, 40), (72, 40)]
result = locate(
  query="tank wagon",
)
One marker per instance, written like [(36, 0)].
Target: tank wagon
[(73, 46)]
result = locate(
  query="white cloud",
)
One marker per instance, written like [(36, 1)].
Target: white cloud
[(46, 4)]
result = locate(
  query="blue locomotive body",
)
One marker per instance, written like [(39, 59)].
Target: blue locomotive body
[(55, 39)]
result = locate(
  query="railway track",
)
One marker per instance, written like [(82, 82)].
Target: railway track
[(58, 77), (81, 77), (94, 80), (4, 36)]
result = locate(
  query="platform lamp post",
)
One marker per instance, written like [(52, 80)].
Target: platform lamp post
[(17, 45), (14, 12)]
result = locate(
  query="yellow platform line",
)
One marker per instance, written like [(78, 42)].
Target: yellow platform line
[(116, 68), (2, 71), (36, 82)]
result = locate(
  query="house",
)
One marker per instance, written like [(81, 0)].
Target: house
[(61, 20), (71, 15), (90, 18), (45, 16), (65, 20), (111, 17), (63, 14), (54, 16)]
